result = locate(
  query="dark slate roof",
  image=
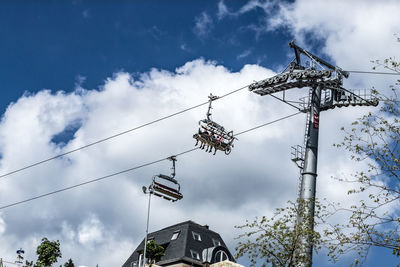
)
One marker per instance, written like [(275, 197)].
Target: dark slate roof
[(179, 250)]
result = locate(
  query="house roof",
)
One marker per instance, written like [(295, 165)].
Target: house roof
[(185, 246)]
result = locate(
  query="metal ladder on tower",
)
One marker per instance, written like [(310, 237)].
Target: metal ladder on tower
[(299, 150)]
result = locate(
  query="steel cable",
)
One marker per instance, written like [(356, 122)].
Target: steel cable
[(132, 168), (149, 123), (373, 72), (116, 135)]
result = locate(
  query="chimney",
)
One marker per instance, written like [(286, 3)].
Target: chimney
[(206, 226)]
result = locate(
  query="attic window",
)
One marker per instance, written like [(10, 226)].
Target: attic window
[(195, 254), (175, 235), (216, 242), (196, 236), (221, 256)]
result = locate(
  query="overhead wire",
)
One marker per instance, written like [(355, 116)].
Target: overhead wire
[(147, 124), (367, 72), (268, 123), (373, 72), (132, 168), (137, 128), (10, 262), (94, 180), (285, 101), (116, 135)]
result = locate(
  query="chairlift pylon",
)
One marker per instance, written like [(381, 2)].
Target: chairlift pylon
[(211, 135)]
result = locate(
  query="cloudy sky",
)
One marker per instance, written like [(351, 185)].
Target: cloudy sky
[(79, 71)]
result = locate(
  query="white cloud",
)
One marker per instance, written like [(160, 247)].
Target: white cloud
[(86, 13), (67, 231), (184, 47), (244, 54), (203, 25), (265, 5), (109, 215), (90, 231), (2, 226), (222, 10), (354, 32)]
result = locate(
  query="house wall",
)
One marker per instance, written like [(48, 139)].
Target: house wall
[(179, 265), (226, 264)]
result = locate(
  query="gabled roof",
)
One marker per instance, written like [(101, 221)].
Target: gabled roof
[(180, 249)]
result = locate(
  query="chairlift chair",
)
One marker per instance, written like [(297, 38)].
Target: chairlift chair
[(212, 135), (169, 191)]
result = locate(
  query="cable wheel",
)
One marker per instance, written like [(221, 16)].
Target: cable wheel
[(327, 73), (284, 77)]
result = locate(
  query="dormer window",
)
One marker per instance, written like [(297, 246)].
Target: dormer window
[(175, 235), (195, 254), (216, 242), (221, 256), (196, 236), (140, 259)]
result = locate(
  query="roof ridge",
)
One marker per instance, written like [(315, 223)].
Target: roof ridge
[(188, 222), (178, 224)]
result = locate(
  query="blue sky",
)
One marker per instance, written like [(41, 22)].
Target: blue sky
[(52, 44), (73, 72)]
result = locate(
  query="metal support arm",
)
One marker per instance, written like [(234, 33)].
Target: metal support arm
[(298, 50)]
